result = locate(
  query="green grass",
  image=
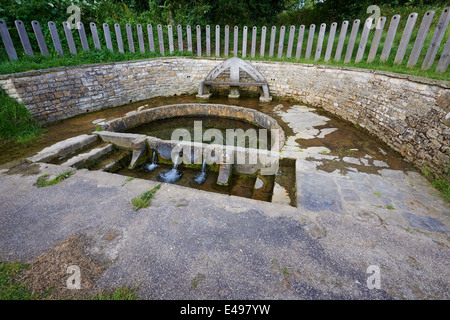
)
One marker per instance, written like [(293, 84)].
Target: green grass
[(16, 122), (143, 201), (42, 180), (27, 63), (441, 184), (12, 288)]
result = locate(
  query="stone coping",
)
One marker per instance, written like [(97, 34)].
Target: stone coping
[(137, 118), (418, 79)]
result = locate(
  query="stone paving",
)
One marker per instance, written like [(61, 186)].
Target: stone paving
[(399, 197)]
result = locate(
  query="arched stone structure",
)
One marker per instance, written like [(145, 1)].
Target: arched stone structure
[(235, 65)]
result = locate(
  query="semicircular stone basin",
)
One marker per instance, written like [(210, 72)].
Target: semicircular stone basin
[(246, 160)]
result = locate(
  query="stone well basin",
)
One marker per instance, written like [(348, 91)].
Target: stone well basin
[(245, 160)]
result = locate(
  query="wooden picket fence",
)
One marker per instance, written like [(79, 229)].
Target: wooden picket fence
[(185, 40)]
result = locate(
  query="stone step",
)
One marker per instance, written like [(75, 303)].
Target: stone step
[(64, 148), (80, 159)]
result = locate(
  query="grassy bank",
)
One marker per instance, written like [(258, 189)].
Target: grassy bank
[(16, 122)]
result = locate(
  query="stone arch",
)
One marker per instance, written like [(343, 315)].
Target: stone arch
[(235, 65)]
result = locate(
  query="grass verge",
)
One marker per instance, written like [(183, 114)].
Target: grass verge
[(37, 62), (143, 201), (441, 184), (12, 286), (16, 122), (42, 180)]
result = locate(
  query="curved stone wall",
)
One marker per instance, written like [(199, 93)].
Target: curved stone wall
[(195, 109), (410, 114)]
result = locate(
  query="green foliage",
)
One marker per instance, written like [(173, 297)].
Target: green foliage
[(143, 201), (10, 289), (16, 121), (442, 183), (42, 180), (328, 11), (121, 293)]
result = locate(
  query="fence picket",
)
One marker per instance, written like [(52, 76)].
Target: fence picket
[(140, 35), (151, 42), (253, 49), (69, 38), (24, 38), (107, 36), (445, 58), (118, 37), (6, 38), (437, 39), (55, 38), (420, 39), (199, 40), (290, 41), (160, 39), (272, 40), (82, 34), (323, 27), (309, 45), (340, 45), (330, 43), (244, 42), (235, 41), (189, 37), (227, 41), (281, 41), (263, 41), (208, 41), (376, 39), (94, 33), (180, 37), (301, 33), (170, 36), (39, 37), (217, 41), (352, 41), (130, 37), (390, 37), (364, 37), (407, 32)]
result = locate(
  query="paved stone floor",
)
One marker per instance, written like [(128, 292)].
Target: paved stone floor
[(355, 209)]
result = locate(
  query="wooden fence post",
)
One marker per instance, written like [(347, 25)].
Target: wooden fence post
[(330, 44), (55, 38), (119, 37), (24, 38), (420, 39), (437, 39), (107, 36), (323, 27), (40, 37), (352, 41)]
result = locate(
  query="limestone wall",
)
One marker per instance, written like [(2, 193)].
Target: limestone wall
[(407, 113)]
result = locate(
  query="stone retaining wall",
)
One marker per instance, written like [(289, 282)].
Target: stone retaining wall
[(410, 114)]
